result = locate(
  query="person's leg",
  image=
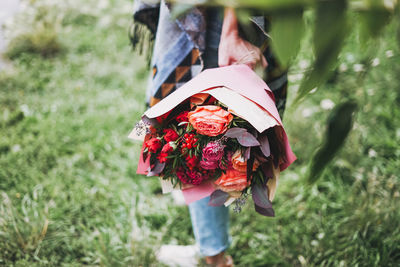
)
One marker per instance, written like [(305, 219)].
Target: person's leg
[(210, 227)]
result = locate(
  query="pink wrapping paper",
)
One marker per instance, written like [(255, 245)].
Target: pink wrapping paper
[(239, 78)]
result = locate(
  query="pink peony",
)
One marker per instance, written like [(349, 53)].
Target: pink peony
[(213, 151), (209, 165)]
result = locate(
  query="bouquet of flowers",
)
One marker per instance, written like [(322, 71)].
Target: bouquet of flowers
[(219, 135)]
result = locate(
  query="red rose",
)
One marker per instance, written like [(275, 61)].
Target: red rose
[(154, 144), (167, 148), (192, 161), (182, 117), (170, 135), (162, 157)]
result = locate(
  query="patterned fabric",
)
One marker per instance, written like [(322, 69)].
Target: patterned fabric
[(187, 69)]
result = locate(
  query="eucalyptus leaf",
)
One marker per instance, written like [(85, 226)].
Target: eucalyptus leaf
[(244, 138), (235, 132), (264, 145), (218, 198), (259, 193), (269, 212), (247, 139), (247, 153)]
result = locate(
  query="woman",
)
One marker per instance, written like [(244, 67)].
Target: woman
[(202, 38)]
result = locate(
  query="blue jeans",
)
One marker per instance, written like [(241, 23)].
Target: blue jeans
[(210, 227), (211, 224)]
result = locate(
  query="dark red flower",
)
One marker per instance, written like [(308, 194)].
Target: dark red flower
[(170, 135), (192, 161), (182, 117), (195, 177), (167, 148), (181, 174), (154, 144), (162, 157)]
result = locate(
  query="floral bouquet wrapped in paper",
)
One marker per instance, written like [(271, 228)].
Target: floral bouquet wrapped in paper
[(219, 135)]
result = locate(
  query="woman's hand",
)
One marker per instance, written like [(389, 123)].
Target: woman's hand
[(235, 50)]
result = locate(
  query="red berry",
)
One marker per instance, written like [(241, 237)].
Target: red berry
[(194, 145), (186, 135), (183, 145), (195, 140), (189, 146)]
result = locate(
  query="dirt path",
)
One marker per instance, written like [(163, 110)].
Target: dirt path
[(7, 10)]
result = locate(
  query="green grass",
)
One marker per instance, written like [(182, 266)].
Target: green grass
[(69, 195)]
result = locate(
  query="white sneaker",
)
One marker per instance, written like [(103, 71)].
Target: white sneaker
[(178, 256)]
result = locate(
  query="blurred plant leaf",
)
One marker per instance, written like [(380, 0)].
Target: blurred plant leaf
[(373, 20), (339, 125), (331, 29), (397, 19), (287, 30)]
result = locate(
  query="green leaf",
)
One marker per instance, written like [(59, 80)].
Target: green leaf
[(287, 30), (373, 21), (339, 125), (331, 29)]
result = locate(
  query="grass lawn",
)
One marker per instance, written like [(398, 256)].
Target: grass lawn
[(69, 195)]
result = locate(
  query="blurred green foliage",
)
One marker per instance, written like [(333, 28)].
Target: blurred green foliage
[(69, 195)]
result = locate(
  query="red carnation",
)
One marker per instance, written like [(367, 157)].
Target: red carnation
[(167, 148), (170, 135), (195, 177), (162, 157), (182, 117), (154, 144), (192, 161)]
